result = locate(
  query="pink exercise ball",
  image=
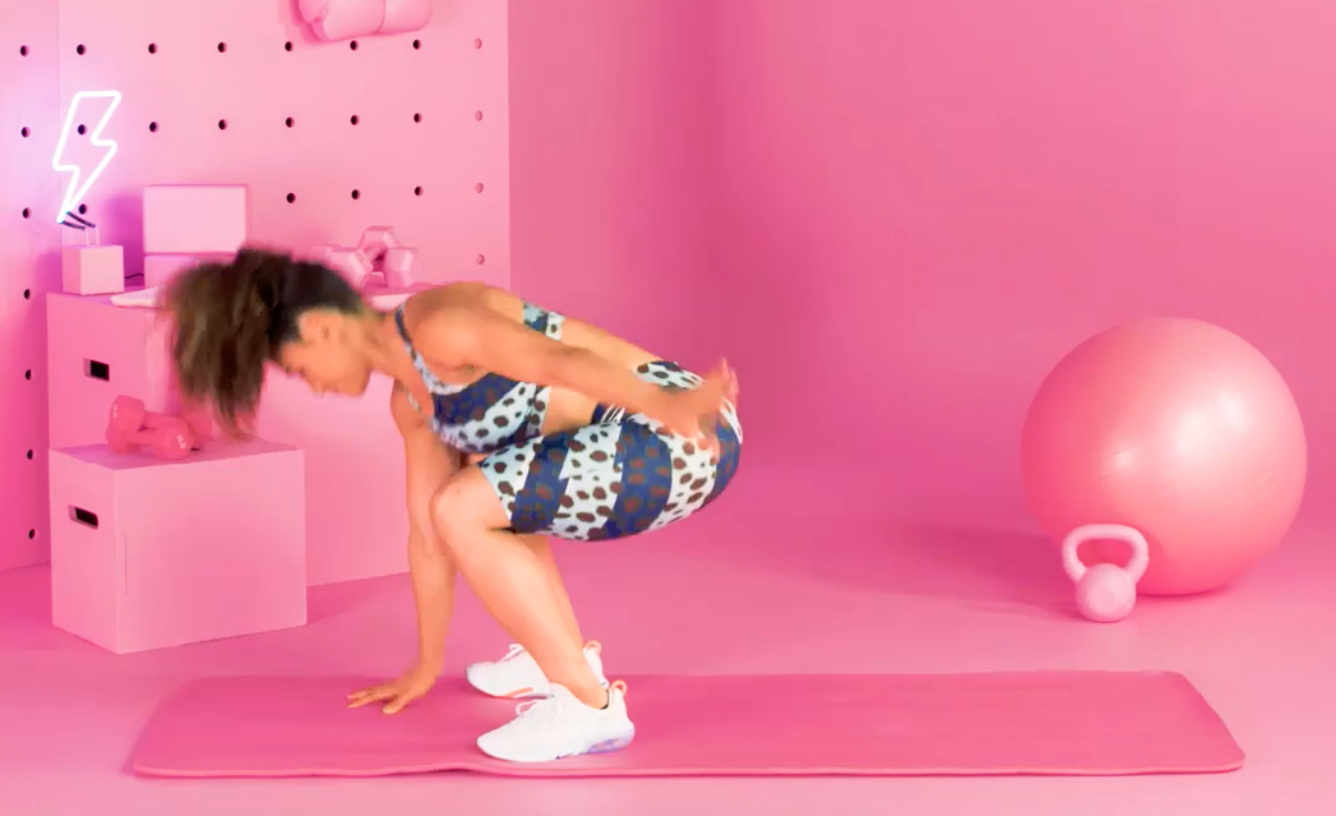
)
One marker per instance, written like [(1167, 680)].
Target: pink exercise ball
[(1178, 429)]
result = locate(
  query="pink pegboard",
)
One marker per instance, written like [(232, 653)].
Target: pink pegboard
[(147, 554), (29, 266), (415, 125), (242, 71)]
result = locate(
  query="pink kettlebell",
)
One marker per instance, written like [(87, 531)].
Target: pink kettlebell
[(1105, 592)]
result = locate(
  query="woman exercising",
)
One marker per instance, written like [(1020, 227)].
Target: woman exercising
[(518, 423)]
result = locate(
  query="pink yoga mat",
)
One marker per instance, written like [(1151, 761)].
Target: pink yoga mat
[(779, 725)]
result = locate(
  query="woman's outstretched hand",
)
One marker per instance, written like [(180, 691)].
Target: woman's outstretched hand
[(695, 413), (398, 693)]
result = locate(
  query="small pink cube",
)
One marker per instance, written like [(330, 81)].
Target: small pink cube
[(147, 554), (92, 270)]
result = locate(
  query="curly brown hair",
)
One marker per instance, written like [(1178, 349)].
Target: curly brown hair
[(231, 319)]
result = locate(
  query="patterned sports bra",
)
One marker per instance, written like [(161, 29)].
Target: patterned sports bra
[(492, 412)]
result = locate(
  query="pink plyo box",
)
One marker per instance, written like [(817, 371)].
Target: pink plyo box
[(1085, 723), (95, 353), (147, 553), (184, 219)]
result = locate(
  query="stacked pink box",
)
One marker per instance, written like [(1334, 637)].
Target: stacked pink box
[(186, 225), (146, 552)]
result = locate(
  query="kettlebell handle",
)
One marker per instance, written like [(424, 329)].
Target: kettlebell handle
[(1071, 545)]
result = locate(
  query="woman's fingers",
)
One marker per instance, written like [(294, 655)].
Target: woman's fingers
[(397, 704), (371, 695)]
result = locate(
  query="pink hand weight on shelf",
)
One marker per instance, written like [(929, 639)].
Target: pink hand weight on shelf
[(400, 267), (1105, 592), (376, 241), (353, 264)]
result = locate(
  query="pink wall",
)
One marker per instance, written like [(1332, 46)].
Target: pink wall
[(939, 199), (908, 211), (610, 183), (421, 176)]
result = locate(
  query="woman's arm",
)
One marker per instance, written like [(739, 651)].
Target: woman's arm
[(458, 337), (428, 465)]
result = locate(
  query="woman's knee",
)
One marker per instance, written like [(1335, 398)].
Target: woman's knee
[(464, 503), (449, 507)]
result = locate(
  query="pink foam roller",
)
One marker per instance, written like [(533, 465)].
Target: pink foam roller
[(333, 20), (92, 270), (403, 16), (160, 269), (182, 219), (147, 554), (400, 267)]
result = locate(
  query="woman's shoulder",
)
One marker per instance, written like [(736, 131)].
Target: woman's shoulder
[(458, 297)]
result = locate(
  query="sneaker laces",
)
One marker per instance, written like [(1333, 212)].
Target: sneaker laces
[(515, 651), (545, 707)]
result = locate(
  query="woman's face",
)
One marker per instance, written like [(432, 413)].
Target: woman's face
[(329, 355)]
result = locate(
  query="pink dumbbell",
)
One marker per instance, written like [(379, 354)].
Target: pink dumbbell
[(130, 426)]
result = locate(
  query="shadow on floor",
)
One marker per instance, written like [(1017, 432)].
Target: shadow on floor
[(1000, 570)]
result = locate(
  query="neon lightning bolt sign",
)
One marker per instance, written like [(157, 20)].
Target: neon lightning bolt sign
[(75, 192)]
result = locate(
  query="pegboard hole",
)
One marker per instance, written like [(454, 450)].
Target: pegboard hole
[(152, 127), (153, 48), (23, 50), (27, 213), (477, 115), (477, 43), (27, 375), (222, 124), (27, 294), (417, 44), (289, 121), (80, 50), (83, 209), (354, 120), (287, 46), (82, 129), (291, 198), (357, 194), (25, 132), (482, 259), (353, 45), (417, 191), (478, 188), (32, 534), (222, 48), (417, 117), (29, 456)]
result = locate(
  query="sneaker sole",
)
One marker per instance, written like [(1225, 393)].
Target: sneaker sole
[(607, 746)]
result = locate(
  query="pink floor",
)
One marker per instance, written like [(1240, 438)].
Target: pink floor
[(745, 590)]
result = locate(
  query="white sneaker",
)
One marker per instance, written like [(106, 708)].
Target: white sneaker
[(561, 726), (517, 674)]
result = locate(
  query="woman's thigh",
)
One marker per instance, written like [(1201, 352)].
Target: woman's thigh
[(621, 476)]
